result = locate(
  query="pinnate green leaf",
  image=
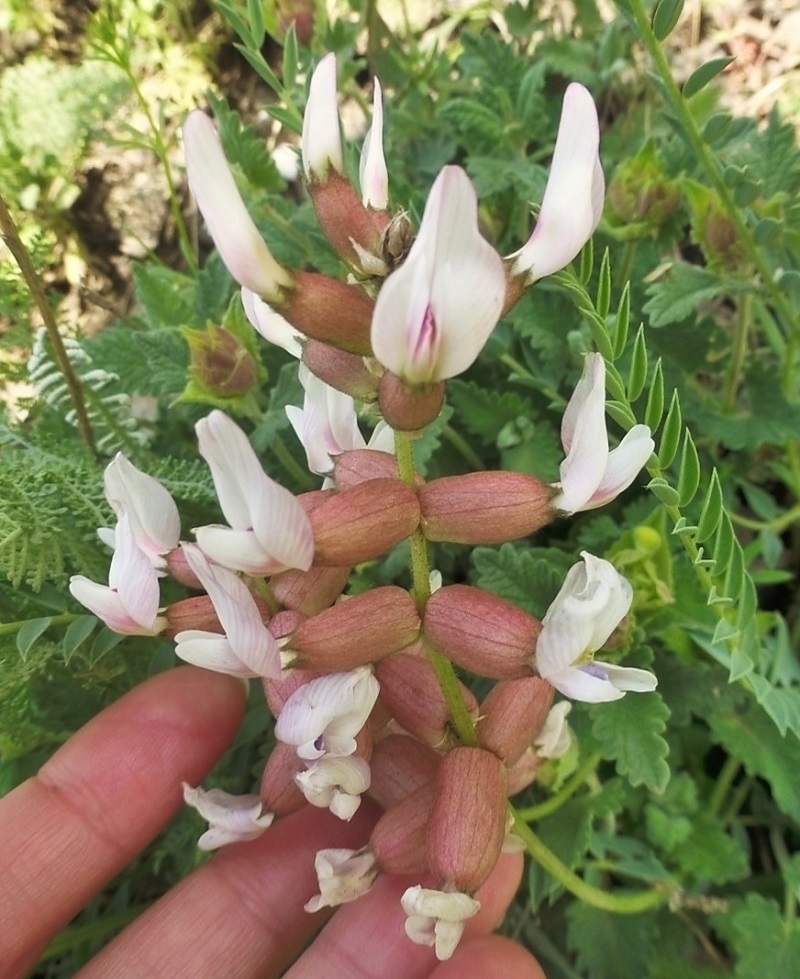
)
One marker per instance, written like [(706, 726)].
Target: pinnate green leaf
[(30, 633), (689, 475), (712, 511), (637, 376), (655, 398), (666, 16), (701, 76)]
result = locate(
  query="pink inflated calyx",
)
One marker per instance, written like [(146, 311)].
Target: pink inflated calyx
[(484, 507), (481, 632), (512, 714)]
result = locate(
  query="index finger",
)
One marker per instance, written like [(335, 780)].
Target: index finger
[(102, 797)]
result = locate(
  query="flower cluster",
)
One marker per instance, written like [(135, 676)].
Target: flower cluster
[(350, 679)]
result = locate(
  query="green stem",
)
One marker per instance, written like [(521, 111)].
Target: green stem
[(680, 109), (722, 787), (738, 354), (463, 447), (421, 588), (290, 464), (634, 903), (9, 628), (9, 234), (578, 778)]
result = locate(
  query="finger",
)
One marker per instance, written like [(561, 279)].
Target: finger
[(102, 797), (487, 957), (241, 914), (367, 939)]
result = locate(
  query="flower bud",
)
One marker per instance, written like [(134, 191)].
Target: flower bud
[(192, 613), (411, 691), (362, 465), (279, 791), (330, 310), (399, 839), (219, 362), (481, 632), (524, 770), (406, 408), (357, 631), (400, 765), (485, 507), (341, 370), (468, 819), (309, 591), (512, 714), (352, 229), (178, 568), (364, 522), (285, 622)]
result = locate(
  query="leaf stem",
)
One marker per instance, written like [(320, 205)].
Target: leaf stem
[(10, 235), (64, 618), (578, 778), (634, 903), (738, 353)]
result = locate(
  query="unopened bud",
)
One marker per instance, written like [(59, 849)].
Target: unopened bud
[(481, 632), (409, 409), (330, 310), (361, 465), (524, 771), (355, 632), (351, 228), (219, 362), (411, 691), (178, 568), (279, 791), (400, 765), (364, 522), (399, 839), (468, 819), (309, 591), (485, 507), (512, 714), (341, 370)]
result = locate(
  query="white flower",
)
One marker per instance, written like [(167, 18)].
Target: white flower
[(434, 314), (591, 475), (592, 602), (151, 511), (231, 818), (437, 918), (269, 530), (573, 198), (238, 241), (372, 172), (129, 603), (343, 876), (322, 717), (326, 424), (335, 784), (248, 648), (554, 739), (271, 325), (321, 139)]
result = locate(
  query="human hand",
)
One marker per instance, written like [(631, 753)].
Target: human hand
[(107, 792)]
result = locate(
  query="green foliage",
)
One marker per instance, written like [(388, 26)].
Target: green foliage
[(630, 732)]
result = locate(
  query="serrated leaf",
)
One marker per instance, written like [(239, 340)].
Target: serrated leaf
[(766, 944), (752, 737), (567, 835), (711, 514), (678, 294), (166, 296), (655, 398), (670, 433), (30, 633), (611, 946), (666, 16), (701, 76), (629, 732), (528, 577), (710, 854), (484, 411), (689, 473)]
